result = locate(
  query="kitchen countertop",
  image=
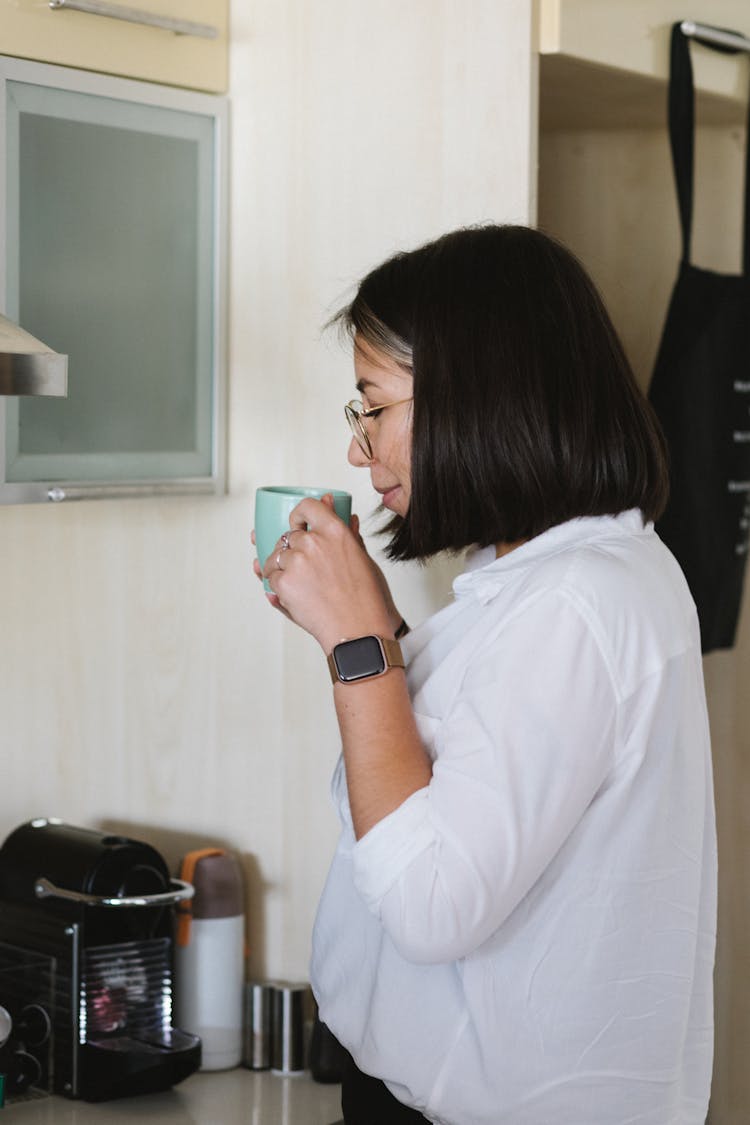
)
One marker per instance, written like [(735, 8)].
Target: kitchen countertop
[(227, 1097)]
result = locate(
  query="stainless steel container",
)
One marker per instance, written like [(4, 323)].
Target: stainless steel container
[(257, 1024), (288, 1027)]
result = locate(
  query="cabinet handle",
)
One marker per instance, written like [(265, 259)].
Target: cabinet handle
[(57, 494), (136, 15)]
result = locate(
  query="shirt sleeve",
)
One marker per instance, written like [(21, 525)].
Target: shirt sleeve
[(520, 755)]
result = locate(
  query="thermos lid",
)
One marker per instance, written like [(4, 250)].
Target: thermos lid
[(216, 877)]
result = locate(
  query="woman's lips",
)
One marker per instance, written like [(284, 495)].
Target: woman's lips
[(389, 495)]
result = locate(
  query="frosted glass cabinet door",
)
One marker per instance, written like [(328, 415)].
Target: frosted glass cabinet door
[(114, 243)]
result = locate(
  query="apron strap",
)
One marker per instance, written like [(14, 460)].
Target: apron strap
[(682, 130), (682, 138), (746, 216)]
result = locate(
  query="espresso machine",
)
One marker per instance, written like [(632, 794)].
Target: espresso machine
[(98, 908)]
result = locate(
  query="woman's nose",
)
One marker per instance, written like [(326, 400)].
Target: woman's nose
[(357, 456)]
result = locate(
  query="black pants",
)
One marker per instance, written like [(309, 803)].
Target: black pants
[(368, 1101)]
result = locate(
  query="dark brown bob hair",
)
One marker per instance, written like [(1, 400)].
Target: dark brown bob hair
[(526, 412)]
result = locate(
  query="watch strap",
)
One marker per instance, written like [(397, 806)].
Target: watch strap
[(394, 658)]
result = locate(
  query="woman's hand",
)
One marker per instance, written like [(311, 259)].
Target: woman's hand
[(325, 581)]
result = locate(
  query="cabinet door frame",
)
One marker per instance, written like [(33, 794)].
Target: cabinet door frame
[(146, 94)]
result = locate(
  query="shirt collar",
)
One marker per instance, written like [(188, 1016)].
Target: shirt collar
[(485, 575)]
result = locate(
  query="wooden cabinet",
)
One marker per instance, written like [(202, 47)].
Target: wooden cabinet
[(113, 200), (196, 58), (605, 63)]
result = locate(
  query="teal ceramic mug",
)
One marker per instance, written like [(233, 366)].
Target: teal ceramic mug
[(274, 505)]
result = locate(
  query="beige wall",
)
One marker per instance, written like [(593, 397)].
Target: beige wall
[(145, 685), (610, 195)]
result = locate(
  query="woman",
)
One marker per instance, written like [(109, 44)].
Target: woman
[(519, 922)]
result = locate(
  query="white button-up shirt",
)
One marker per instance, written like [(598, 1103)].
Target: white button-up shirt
[(529, 940)]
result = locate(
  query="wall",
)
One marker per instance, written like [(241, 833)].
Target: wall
[(610, 196), (145, 685)]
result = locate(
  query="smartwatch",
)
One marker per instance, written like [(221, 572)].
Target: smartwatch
[(363, 658)]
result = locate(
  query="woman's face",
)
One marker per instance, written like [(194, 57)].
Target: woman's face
[(379, 381)]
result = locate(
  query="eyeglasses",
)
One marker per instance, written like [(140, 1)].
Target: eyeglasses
[(355, 415)]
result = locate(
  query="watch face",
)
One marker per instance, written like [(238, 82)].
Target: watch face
[(356, 660)]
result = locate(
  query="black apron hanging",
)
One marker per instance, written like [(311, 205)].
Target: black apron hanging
[(701, 393)]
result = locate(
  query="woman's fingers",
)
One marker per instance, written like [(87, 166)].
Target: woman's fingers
[(314, 515)]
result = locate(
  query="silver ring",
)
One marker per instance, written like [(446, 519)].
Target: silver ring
[(278, 561), (285, 541)]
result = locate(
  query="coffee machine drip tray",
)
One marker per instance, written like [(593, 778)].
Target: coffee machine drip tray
[(125, 1023)]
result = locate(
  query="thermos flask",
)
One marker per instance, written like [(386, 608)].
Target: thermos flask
[(210, 955)]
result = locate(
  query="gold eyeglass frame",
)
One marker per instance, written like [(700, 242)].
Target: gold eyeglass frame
[(355, 412)]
